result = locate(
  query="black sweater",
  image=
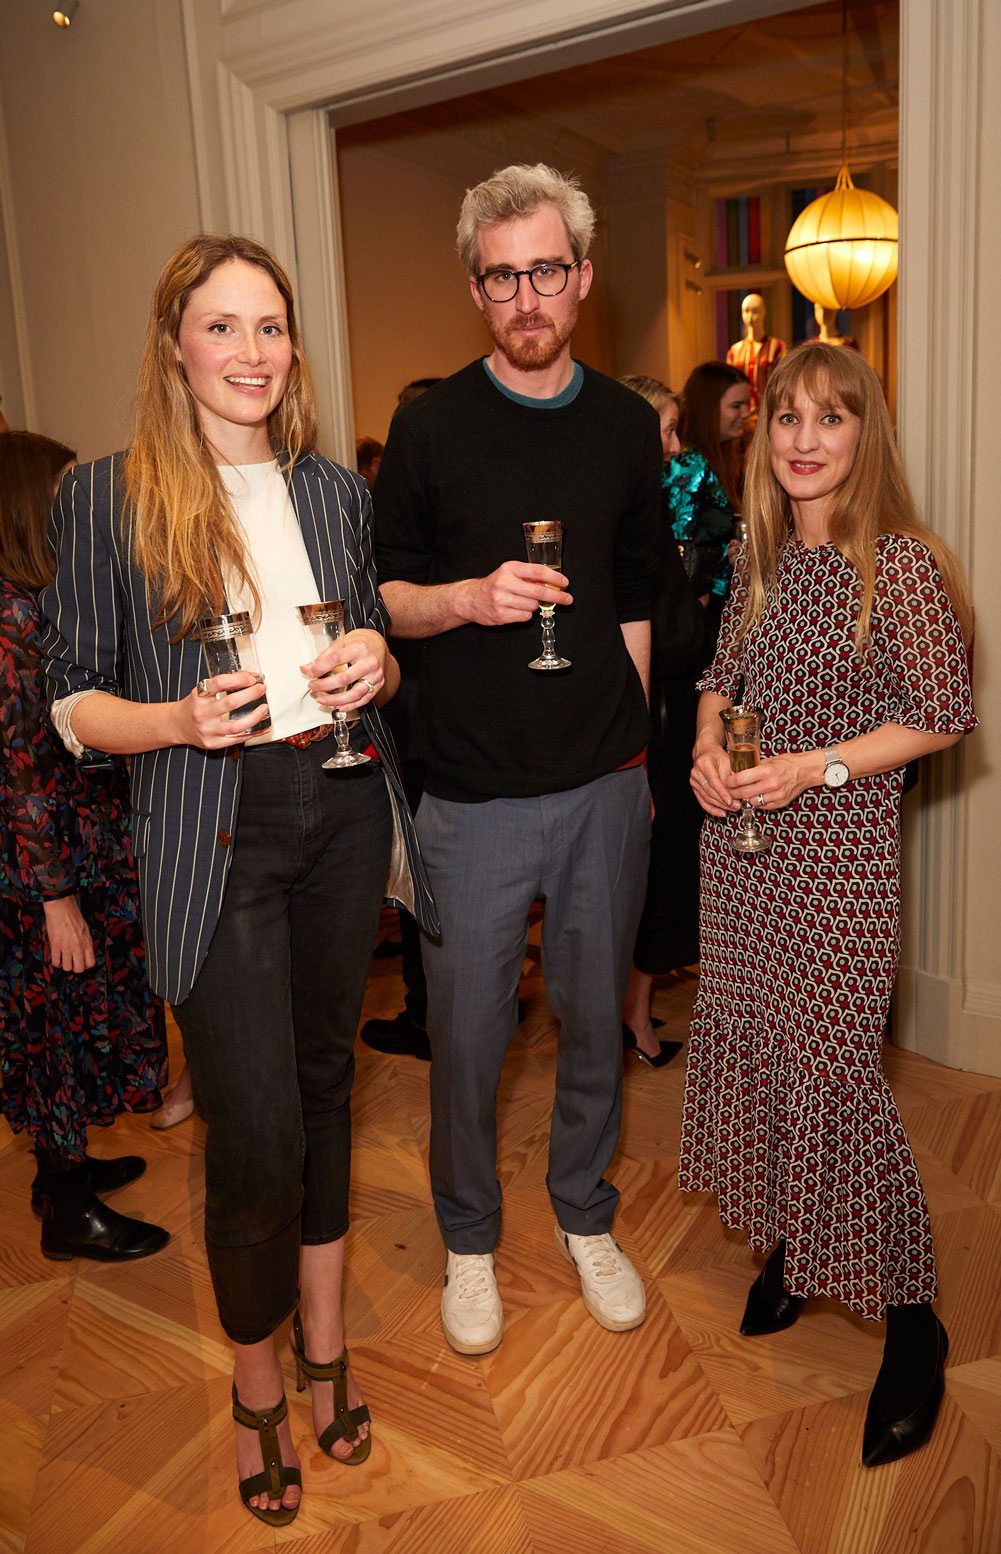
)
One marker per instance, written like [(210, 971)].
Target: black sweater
[(463, 468)]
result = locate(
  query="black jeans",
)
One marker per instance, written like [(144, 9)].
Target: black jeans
[(269, 1026)]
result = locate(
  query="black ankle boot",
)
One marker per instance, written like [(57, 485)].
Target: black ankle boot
[(102, 1175), (909, 1387), (54, 1177), (770, 1308), (77, 1224)]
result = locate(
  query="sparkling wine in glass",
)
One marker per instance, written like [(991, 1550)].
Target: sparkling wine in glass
[(743, 742), (323, 624), (544, 546), (229, 646)]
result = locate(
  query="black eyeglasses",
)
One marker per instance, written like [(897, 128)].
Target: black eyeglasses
[(546, 280)]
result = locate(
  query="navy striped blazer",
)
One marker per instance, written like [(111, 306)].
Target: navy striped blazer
[(185, 801)]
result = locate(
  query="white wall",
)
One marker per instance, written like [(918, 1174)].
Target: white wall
[(101, 171)]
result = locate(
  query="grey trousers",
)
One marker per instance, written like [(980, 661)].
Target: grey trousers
[(586, 853)]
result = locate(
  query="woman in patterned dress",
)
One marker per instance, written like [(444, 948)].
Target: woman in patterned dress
[(81, 1036), (846, 627)]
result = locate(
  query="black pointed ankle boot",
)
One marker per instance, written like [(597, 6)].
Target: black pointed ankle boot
[(770, 1308), (908, 1391)]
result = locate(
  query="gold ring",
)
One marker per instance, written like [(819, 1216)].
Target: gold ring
[(202, 688)]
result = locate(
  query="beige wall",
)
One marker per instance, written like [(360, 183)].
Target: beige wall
[(409, 312), (100, 164)]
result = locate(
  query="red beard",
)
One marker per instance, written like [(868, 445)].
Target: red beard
[(533, 353)]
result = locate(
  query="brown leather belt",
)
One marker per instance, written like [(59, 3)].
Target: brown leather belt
[(309, 736)]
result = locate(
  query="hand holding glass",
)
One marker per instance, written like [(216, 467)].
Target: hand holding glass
[(743, 742), (324, 624), (229, 647), (544, 546)]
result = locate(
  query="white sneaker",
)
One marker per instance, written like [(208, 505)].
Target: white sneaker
[(612, 1289), (472, 1316)]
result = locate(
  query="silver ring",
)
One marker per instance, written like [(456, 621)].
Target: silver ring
[(761, 798), (369, 684)]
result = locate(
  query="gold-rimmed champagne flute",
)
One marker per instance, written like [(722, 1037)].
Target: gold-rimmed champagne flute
[(544, 546), (324, 624), (742, 726)]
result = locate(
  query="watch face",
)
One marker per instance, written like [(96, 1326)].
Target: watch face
[(836, 774)]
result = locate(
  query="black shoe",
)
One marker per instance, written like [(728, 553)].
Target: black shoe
[(890, 1432), (103, 1176), (668, 1049), (399, 1037), (80, 1225), (770, 1308)]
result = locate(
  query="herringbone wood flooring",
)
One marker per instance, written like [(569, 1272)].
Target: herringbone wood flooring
[(677, 1438)]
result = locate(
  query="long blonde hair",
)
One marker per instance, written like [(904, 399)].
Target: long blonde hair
[(180, 524), (875, 499)]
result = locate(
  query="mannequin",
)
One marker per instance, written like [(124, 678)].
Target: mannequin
[(757, 353), (827, 323)]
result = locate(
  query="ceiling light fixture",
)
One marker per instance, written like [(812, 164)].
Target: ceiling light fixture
[(842, 249), (64, 17)]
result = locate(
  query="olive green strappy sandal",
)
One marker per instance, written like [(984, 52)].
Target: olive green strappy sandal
[(346, 1421), (276, 1477)]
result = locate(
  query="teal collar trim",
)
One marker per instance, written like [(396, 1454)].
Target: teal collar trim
[(564, 397)]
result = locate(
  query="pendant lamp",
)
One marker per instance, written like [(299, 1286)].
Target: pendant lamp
[(842, 249)]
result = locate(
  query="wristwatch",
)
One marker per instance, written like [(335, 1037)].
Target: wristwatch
[(836, 773)]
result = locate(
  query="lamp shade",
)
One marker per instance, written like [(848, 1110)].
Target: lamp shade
[(842, 249)]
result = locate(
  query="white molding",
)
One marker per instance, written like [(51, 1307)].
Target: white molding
[(26, 378), (940, 130), (931, 1016), (245, 175), (940, 127), (289, 51), (322, 297), (196, 102), (983, 998), (255, 158)]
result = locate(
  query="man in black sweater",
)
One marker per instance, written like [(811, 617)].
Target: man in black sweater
[(535, 786)]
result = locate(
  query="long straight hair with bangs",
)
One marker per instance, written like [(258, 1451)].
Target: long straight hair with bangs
[(180, 524), (875, 499), (30, 465)]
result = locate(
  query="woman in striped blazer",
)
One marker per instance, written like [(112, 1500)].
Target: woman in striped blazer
[(261, 873)]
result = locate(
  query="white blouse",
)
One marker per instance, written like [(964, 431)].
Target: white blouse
[(284, 578)]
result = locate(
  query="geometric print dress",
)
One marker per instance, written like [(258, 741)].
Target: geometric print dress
[(788, 1117), (76, 1048)]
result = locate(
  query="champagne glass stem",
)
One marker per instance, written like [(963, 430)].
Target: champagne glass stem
[(547, 613)]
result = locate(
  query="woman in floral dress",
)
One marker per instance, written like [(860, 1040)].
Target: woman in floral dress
[(81, 1036), (846, 628)]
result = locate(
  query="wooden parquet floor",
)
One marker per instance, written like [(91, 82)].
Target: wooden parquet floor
[(677, 1438)]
